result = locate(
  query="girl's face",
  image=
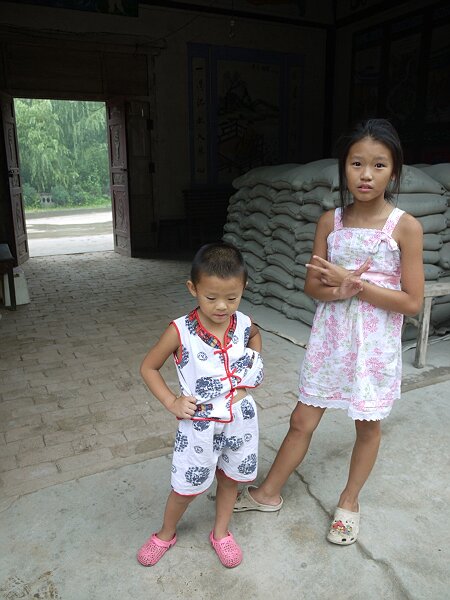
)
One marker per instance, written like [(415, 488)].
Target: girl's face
[(217, 298), (368, 168)]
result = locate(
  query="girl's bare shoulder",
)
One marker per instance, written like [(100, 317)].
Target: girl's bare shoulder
[(326, 221), (409, 233), (409, 225)]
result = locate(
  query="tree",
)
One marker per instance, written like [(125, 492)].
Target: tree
[(44, 158), (63, 146)]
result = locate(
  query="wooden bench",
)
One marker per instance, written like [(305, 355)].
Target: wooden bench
[(7, 267), (432, 290)]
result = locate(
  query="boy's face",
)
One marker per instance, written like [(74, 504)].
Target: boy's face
[(217, 298)]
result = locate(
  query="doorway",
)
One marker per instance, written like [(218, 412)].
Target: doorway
[(63, 149)]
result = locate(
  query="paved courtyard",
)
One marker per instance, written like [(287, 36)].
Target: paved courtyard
[(85, 457)]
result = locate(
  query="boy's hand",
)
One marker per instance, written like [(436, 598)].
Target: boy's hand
[(183, 407)]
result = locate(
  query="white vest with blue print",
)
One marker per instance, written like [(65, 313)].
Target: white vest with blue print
[(212, 370)]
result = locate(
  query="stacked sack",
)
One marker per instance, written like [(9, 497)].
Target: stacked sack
[(440, 313), (273, 225), (273, 215)]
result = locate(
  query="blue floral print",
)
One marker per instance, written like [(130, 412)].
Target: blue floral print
[(184, 357), (248, 465), (197, 475), (248, 412), (200, 425), (219, 442), (208, 387), (181, 442), (234, 443), (259, 378)]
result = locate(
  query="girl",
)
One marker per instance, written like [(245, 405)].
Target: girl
[(366, 273)]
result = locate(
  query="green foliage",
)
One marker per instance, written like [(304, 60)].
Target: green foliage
[(63, 149), (31, 197), (60, 195)]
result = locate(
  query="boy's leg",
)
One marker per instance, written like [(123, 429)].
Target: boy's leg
[(175, 508), (225, 498), (364, 455), (304, 421)]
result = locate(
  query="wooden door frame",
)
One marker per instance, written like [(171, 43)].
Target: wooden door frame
[(16, 232)]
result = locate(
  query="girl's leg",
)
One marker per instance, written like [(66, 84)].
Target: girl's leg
[(365, 450), (175, 508), (304, 420), (225, 498)]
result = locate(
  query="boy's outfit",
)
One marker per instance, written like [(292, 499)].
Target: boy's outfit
[(221, 434)]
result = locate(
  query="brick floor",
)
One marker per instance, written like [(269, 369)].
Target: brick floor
[(72, 401)]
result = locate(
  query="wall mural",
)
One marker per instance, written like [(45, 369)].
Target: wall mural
[(248, 128), (245, 111)]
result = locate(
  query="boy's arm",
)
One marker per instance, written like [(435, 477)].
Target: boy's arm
[(255, 340), (182, 407)]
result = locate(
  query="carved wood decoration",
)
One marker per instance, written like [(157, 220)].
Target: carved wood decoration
[(20, 242), (119, 176)]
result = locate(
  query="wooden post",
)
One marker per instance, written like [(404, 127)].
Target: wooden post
[(422, 334), (432, 290)]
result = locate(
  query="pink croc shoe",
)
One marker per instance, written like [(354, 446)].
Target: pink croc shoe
[(154, 549), (228, 551)]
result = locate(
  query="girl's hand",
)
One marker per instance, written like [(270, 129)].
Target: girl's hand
[(351, 286), (183, 407), (333, 275)]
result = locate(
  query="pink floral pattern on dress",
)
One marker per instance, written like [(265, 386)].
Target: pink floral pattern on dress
[(353, 358)]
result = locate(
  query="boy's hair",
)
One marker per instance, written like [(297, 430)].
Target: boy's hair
[(218, 259), (379, 130)]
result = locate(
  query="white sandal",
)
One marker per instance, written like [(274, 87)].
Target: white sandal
[(344, 528), (245, 501)]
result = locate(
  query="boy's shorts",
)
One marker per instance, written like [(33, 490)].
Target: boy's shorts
[(201, 447)]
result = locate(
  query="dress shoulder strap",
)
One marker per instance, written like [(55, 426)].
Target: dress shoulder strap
[(392, 220), (338, 218)]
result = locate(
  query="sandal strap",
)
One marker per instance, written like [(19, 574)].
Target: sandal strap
[(162, 543)]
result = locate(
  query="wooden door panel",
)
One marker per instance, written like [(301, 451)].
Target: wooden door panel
[(119, 176), (19, 239), (140, 168)]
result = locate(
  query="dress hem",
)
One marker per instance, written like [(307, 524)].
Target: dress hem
[(353, 414)]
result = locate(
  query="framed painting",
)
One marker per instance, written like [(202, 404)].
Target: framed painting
[(245, 111)]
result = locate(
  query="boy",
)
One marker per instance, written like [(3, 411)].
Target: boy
[(216, 353)]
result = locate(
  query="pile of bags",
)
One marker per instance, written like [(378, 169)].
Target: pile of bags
[(272, 219)]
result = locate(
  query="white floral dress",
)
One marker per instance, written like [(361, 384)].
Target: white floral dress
[(353, 359)]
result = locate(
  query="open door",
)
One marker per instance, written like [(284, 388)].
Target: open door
[(143, 214), (17, 232), (119, 175)]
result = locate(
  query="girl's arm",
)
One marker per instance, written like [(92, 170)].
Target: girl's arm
[(255, 340), (182, 407)]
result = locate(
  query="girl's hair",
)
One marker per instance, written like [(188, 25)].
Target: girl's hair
[(218, 259), (379, 130)]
